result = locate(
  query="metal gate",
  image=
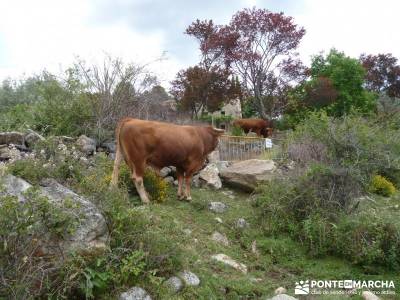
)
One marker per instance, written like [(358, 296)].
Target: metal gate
[(234, 148)]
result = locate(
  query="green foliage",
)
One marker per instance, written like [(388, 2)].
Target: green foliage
[(63, 109), (248, 108), (381, 186), (363, 145), (46, 104), (218, 120), (155, 186), (237, 131), (18, 117), (347, 76), (336, 87), (30, 170)]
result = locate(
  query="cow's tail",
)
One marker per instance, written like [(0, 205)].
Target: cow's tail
[(119, 154)]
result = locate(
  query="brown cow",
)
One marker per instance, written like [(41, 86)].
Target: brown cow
[(259, 126), (159, 145)]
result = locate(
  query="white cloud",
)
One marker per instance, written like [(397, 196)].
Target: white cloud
[(48, 33), (354, 27)]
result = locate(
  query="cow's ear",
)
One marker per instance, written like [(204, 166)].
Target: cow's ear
[(218, 131)]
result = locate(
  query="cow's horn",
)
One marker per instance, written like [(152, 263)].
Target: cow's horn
[(218, 130)]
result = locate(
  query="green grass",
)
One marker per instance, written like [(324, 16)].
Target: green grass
[(279, 262), (187, 229)]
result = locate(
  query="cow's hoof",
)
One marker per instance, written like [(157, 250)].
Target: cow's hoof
[(181, 198), (188, 199)]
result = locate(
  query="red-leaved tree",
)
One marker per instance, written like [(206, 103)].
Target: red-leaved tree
[(382, 74), (198, 89), (259, 46)]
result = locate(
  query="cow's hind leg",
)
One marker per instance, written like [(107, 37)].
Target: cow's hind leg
[(193, 168), (180, 184), (188, 181)]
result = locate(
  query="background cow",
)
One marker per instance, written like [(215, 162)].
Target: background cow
[(259, 126), (159, 145)]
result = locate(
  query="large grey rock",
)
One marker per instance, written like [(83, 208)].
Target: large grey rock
[(213, 157), (5, 153), (135, 293), (164, 172), (217, 207), (225, 259), (169, 179), (283, 297), (32, 137), (86, 145), (196, 181), (222, 164), (90, 233), (174, 283), (220, 238), (210, 175), (12, 137), (189, 278), (247, 174), (9, 152)]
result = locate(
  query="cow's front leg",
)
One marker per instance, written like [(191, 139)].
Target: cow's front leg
[(180, 185)]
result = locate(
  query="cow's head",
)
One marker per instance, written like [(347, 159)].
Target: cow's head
[(267, 132), (215, 133)]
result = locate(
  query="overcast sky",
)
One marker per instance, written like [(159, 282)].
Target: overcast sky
[(48, 34)]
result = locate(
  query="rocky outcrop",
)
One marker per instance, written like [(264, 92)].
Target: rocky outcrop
[(13, 137), (247, 174), (86, 145), (32, 137), (90, 233), (10, 153)]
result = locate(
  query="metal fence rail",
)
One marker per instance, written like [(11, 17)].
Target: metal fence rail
[(234, 148)]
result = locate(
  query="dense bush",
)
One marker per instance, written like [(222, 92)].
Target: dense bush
[(381, 186), (25, 274), (46, 104), (321, 206), (236, 131), (362, 144)]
